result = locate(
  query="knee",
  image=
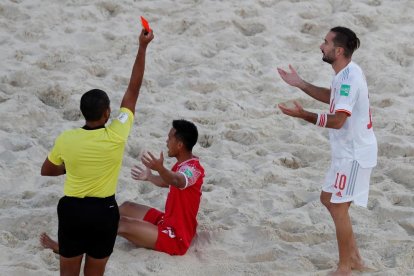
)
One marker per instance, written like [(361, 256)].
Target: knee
[(124, 206), (122, 226), (339, 210), (326, 201)]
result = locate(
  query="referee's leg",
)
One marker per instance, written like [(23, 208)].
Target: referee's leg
[(94, 266), (70, 266)]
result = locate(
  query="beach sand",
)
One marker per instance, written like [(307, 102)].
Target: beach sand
[(214, 63)]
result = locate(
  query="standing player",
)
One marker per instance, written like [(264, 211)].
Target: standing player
[(91, 158), (353, 143)]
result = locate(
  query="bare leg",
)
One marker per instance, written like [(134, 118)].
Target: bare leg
[(48, 243), (70, 266), (344, 236), (139, 232), (348, 251), (94, 267), (133, 210), (356, 261)]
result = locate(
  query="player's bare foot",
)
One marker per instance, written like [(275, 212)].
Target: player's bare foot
[(48, 243), (358, 266)]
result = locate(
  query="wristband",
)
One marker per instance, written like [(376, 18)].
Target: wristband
[(322, 120)]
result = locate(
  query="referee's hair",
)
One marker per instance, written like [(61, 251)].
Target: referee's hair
[(186, 132), (346, 39), (93, 104)]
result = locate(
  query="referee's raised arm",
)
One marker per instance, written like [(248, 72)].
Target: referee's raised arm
[(131, 94)]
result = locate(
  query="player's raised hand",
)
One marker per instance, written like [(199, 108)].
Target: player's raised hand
[(292, 78), (296, 111), (150, 161), (139, 173)]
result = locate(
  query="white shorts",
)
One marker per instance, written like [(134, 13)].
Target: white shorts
[(347, 181)]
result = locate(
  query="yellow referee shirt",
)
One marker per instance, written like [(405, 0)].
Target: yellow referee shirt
[(93, 158)]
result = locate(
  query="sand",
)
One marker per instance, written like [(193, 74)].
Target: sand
[(214, 63)]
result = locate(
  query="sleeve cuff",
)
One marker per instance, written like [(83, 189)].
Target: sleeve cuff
[(186, 181)]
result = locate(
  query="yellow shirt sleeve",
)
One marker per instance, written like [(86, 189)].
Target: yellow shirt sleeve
[(54, 155), (122, 124)]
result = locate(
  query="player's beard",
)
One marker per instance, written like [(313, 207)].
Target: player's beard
[(329, 58)]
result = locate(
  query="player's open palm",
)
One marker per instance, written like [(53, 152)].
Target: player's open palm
[(152, 162), (295, 111), (139, 173), (291, 78)]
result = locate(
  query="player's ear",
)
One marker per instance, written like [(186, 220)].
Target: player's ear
[(339, 51), (180, 145)]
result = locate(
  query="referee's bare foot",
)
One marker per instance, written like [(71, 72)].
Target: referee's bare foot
[(48, 243)]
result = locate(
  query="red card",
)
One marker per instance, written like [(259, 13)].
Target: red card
[(145, 24)]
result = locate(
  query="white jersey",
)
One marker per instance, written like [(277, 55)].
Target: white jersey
[(356, 139)]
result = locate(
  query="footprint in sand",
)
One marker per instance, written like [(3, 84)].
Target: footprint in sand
[(395, 149), (322, 262), (367, 22), (97, 71), (404, 175), (207, 121), (408, 49), (385, 103), (145, 189), (203, 87), (398, 57), (31, 33), (403, 200), (8, 239), (207, 188), (111, 8), (267, 256), (312, 28), (244, 137), (19, 79), (50, 259), (375, 3), (287, 160), (53, 96), (340, 6), (13, 13), (72, 114), (249, 29), (55, 60), (408, 225), (17, 144), (206, 140), (196, 105)]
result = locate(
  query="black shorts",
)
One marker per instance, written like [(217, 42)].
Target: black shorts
[(87, 225)]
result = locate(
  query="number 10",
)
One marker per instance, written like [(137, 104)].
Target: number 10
[(342, 181)]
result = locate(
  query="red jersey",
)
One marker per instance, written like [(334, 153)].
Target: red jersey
[(182, 205)]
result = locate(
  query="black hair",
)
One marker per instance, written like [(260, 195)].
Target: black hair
[(186, 132), (93, 104), (346, 39)]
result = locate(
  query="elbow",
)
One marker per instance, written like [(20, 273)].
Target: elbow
[(338, 125), (43, 172)]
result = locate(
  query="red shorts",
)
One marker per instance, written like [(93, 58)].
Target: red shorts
[(167, 241)]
